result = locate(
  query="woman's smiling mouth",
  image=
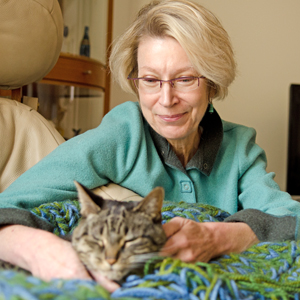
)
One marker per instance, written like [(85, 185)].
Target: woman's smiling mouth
[(171, 118)]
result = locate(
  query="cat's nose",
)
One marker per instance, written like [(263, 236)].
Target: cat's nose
[(111, 261)]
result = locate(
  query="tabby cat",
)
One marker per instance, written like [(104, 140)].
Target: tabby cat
[(116, 238)]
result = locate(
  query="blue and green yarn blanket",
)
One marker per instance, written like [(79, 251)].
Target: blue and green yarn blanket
[(265, 271)]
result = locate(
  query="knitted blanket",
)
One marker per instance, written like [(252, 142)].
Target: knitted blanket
[(265, 271)]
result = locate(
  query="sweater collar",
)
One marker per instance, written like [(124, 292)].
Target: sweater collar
[(209, 146)]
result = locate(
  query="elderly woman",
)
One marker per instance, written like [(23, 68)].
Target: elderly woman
[(176, 57)]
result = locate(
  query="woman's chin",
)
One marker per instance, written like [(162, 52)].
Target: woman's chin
[(172, 132)]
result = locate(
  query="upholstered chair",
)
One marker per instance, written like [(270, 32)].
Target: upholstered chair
[(31, 34)]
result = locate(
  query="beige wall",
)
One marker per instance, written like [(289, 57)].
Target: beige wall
[(77, 15), (266, 38), (123, 15)]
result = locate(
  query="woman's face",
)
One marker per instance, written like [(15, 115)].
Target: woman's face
[(173, 114)]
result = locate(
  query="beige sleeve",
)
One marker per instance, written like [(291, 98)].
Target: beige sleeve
[(113, 191)]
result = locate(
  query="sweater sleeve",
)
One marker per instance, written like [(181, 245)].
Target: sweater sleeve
[(102, 155), (272, 214), (267, 227)]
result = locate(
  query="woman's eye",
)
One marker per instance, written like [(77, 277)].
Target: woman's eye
[(149, 81), (185, 79)]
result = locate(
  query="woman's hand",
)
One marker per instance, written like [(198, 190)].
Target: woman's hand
[(45, 255), (191, 241)]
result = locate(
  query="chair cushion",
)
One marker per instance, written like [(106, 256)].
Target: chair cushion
[(31, 34), (26, 137)]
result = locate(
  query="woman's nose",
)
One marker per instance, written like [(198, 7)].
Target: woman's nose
[(167, 95)]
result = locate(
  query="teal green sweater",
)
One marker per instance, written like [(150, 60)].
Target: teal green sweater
[(229, 173)]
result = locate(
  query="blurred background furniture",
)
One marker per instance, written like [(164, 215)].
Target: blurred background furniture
[(62, 90), (31, 35), (72, 96), (293, 172), (26, 137), (29, 46), (75, 95)]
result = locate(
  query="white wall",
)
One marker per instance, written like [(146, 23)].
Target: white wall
[(266, 38)]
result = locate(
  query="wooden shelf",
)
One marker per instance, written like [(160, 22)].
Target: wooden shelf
[(76, 70)]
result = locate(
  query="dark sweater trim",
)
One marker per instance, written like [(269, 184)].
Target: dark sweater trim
[(210, 143), (15, 216), (267, 227), (165, 151)]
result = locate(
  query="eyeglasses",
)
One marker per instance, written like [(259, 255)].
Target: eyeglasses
[(152, 85)]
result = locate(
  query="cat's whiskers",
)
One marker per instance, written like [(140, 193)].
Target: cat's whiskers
[(142, 258)]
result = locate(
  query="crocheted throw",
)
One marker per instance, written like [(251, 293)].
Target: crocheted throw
[(265, 271)]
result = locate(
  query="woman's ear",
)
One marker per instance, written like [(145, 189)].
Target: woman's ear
[(211, 90)]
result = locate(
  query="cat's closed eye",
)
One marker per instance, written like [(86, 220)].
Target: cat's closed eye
[(100, 244), (133, 242)]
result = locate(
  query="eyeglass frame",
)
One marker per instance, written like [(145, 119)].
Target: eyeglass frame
[(162, 81)]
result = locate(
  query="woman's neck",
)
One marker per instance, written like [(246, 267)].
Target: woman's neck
[(186, 148)]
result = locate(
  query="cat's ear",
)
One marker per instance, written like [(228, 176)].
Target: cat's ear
[(152, 204), (87, 204)]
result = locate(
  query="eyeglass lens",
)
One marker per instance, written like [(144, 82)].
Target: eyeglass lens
[(150, 85)]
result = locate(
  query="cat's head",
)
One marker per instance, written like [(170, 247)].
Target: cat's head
[(116, 238)]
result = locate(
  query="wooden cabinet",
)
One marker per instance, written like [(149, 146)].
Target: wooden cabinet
[(73, 95), (98, 16), (75, 70)]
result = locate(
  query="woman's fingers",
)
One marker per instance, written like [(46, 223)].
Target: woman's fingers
[(173, 232), (183, 239), (173, 226), (191, 241), (111, 286)]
